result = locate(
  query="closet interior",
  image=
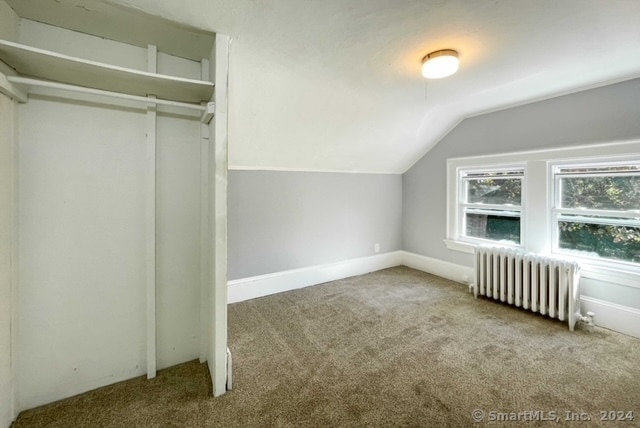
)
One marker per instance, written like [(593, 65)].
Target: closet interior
[(116, 134)]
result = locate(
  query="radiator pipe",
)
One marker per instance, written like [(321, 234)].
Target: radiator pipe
[(588, 320)]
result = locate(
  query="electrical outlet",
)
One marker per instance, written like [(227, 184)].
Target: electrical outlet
[(376, 248)]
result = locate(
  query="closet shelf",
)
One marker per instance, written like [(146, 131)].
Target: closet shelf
[(43, 64)]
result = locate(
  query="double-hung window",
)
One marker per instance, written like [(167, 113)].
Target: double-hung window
[(580, 202), (596, 212), (490, 205)]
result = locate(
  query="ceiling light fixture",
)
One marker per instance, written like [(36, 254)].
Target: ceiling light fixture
[(440, 64)]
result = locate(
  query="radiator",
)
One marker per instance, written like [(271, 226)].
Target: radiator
[(534, 282)]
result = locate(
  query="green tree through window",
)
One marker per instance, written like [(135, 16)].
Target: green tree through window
[(600, 211)]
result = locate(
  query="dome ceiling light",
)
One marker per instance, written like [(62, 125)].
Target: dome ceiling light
[(439, 64)]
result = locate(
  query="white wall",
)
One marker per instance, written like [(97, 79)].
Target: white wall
[(81, 248), (8, 253), (178, 240), (82, 231), (8, 232)]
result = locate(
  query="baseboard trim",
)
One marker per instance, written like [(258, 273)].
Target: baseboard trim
[(264, 285), (452, 271), (612, 316), (278, 282)]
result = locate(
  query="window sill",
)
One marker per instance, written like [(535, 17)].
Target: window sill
[(470, 247), (599, 272)]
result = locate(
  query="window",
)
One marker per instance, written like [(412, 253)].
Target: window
[(582, 202), (490, 205), (596, 212)]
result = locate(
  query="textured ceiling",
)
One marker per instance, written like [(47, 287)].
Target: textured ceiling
[(335, 85)]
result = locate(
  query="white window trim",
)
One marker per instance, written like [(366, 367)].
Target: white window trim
[(537, 202)]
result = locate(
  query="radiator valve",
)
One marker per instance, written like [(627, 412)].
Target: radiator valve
[(588, 320)]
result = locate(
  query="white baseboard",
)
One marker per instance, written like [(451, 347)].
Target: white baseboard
[(452, 271), (612, 316), (277, 282), (264, 285), (615, 317)]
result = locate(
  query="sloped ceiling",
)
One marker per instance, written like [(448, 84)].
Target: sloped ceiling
[(335, 85)]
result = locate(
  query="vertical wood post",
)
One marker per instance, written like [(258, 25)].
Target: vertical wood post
[(152, 54), (218, 180), (205, 313), (15, 279), (8, 260)]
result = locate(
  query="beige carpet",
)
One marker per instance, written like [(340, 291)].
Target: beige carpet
[(392, 348)]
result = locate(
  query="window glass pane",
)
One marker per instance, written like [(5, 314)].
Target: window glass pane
[(494, 191), (493, 227), (601, 240), (614, 192)]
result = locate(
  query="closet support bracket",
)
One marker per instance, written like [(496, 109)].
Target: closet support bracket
[(208, 113), (10, 90)]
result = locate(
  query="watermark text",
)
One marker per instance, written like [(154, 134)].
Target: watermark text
[(480, 415)]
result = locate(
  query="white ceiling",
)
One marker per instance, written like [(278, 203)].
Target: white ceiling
[(335, 85)]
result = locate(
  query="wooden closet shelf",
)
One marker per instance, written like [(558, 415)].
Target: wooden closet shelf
[(43, 64)]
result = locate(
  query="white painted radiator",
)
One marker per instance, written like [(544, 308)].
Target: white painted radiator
[(534, 282)]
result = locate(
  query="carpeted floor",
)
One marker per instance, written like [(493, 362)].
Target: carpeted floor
[(392, 348)]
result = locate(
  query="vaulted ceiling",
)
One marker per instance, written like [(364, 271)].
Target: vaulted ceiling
[(335, 85)]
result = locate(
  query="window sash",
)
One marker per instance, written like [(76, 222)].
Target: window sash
[(491, 208), (466, 175), (628, 214), (493, 173), (607, 221), (494, 227), (600, 167), (591, 216), (558, 192), (583, 174)]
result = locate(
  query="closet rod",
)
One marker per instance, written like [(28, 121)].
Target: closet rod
[(55, 85)]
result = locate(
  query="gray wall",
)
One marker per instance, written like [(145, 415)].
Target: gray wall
[(603, 114), (287, 220)]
